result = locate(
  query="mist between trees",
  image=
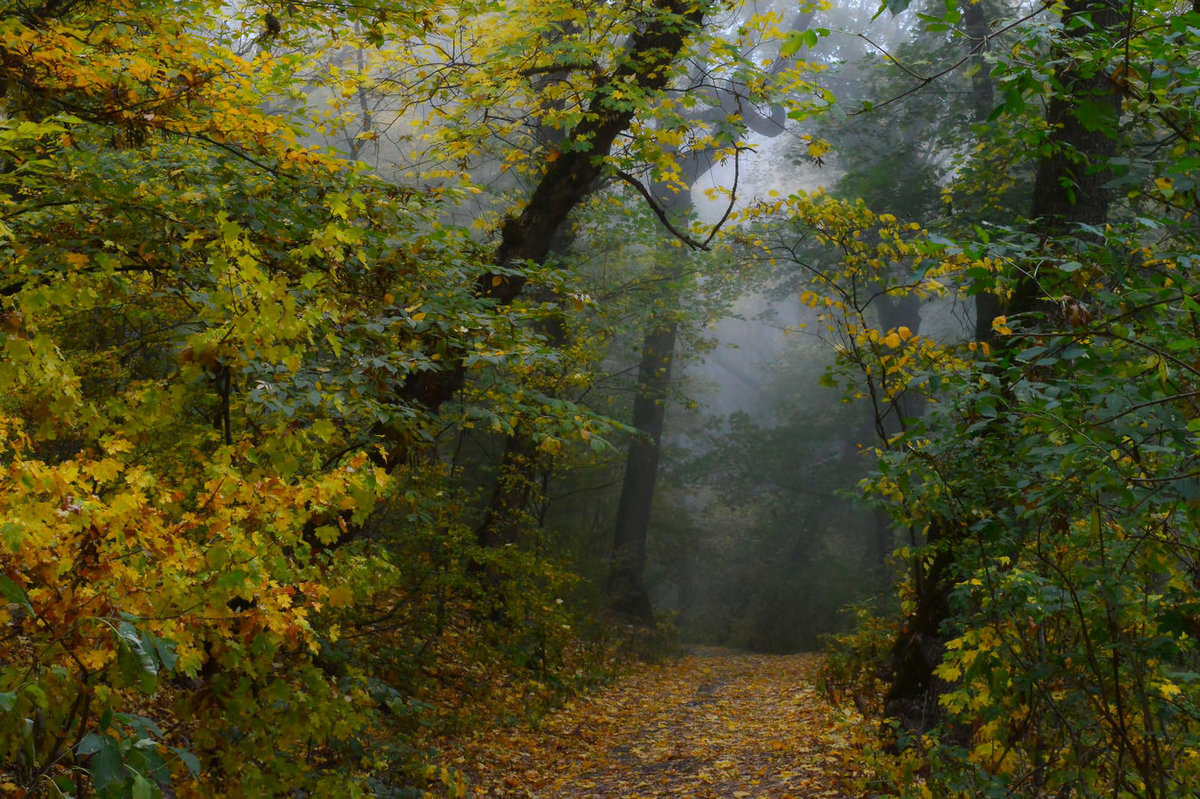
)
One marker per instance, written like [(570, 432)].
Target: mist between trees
[(379, 373)]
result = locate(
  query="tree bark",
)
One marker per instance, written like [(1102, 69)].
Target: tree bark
[(1083, 118), (628, 598), (516, 480), (987, 304), (1069, 188)]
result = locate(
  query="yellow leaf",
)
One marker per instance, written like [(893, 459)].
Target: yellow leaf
[(105, 470), (1168, 689), (340, 596), (95, 659)]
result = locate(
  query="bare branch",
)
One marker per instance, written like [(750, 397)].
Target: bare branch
[(660, 213), (925, 81)]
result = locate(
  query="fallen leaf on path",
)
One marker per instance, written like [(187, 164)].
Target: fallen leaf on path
[(712, 725)]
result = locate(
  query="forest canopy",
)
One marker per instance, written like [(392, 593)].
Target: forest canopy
[(339, 337)]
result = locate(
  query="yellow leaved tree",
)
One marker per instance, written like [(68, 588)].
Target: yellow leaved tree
[(227, 353)]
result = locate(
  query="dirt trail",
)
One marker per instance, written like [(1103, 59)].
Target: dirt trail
[(714, 724)]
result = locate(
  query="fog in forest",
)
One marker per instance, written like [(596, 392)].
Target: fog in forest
[(758, 537), (387, 385)]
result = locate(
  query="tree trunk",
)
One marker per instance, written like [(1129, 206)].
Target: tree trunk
[(987, 304), (516, 480), (513, 491), (627, 594), (628, 598), (526, 237)]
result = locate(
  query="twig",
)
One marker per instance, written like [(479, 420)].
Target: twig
[(660, 213), (925, 81)]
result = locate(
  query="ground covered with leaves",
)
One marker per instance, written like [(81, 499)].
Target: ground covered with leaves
[(715, 723)]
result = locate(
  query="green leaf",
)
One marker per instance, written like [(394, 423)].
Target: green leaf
[(8, 700), (165, 649), (894, 6), (89, 745), (146, 728), (14, 593), (39, 695), (142, 788), (791, 43), (131, 637), (12, 534), (190, 761), (106, 765), (134, 658), (797, 39)]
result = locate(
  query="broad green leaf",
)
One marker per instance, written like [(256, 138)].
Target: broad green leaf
[(14, 593), (106, 765)]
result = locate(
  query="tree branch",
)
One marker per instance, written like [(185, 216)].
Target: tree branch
[(925, 81), (659, 212)]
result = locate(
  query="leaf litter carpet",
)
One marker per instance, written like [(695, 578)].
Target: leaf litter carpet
[(714, 724)]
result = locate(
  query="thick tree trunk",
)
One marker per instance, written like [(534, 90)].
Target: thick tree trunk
[(516, 481), (1083, 117)]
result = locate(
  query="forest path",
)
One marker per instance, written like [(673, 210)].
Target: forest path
[(715, 723)]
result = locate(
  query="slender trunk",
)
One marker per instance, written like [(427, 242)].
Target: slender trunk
[(515, 486), (913, 691), (516, 481), (521, 475), (987, 304), (627, 596), (982, 90), (626, 585), (894, 312)]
